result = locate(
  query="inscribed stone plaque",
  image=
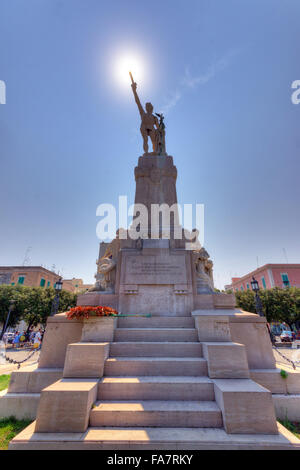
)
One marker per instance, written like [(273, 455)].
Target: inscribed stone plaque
[(155, 270)]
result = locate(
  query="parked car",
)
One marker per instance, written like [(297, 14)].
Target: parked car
[(8, 337), (286, 337)]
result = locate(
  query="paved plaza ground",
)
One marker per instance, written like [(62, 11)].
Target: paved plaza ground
[(17, 355)]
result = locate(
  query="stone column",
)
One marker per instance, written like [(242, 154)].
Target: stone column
[(156, 184)]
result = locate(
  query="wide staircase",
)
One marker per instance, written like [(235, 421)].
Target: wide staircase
[(155, 377), (155, 395)]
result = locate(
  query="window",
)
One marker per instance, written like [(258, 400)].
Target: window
[(48, 284), (42, 283), (242, 288), (285, 280), (12, 283), (236, 289), (21, 279), (248, 287), (263, 282)]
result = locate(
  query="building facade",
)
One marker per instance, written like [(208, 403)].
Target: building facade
[(268, 276), (76, 285), (32, 276), (37, 276)]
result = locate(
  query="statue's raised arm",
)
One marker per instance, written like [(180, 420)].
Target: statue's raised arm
[(136, 97)]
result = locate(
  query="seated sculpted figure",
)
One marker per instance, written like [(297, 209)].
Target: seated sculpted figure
[(203, 264)]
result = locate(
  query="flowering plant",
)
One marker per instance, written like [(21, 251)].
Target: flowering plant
[(87, 311)]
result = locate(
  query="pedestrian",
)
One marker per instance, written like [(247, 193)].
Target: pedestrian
[(16, 341), (22, 338), (32, 335), (37, 339)]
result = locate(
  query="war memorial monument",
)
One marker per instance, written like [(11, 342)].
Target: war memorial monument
[(179, 367)]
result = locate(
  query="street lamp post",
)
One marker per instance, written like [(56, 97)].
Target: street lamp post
[(55, 303), (259, 307), (11, 306), (258, 304)]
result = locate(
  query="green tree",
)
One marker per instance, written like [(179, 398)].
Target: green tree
[(246, 300), (278, 304), (39, 302), (7, 294), (32, 304)]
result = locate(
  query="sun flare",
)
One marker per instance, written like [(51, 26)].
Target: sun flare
[(126, 64)]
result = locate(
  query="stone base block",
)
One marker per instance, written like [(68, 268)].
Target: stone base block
[(247, 407), (224, 300), (19, 405), (203, 301), (98, 298), (59, 333), (32, 379), (211, 301), (98, 329), (212, 324), (251, 330), (156, 299), (85, 359), (272, 380), (226, 360), (287, 407), (65, 406)]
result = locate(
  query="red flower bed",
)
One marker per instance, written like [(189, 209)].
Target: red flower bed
[(86, 312)]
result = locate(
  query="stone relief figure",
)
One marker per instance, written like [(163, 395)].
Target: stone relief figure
[(149, 125), (106, 266), (204, 272)]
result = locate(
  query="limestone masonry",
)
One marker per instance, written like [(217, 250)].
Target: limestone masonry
[(182, 368)]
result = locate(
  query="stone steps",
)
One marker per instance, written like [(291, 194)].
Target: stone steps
[(156, 388), (156, 414), (150, 366), (156, 334), (156, 322), (156, 349), (150, 438)]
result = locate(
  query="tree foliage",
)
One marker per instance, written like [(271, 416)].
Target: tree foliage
[(32, 304), (281, 305)]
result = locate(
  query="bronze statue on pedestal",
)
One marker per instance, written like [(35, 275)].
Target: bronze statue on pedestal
[(150, 126)]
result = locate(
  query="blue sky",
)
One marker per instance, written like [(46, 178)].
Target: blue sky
[(69, 139)]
